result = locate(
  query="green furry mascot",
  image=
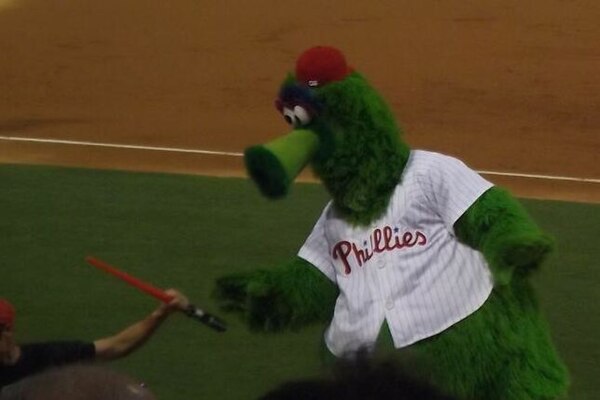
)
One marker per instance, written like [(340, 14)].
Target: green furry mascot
[(411, 239)]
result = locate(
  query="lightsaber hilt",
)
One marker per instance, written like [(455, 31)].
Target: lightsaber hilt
[(208, 319)]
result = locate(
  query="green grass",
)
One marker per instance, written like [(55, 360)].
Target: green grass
[(185, 231)]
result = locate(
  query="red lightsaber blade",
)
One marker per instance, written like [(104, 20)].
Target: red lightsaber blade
[(135, 282), (191, 311)]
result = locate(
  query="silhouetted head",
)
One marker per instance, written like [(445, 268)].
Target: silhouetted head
[(78, 382), (360, 378)]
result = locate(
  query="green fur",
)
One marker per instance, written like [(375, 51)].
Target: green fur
[(356, 117), (289, 296), (503, 351), (498, 226)]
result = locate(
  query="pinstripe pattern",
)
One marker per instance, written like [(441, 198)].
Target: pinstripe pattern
[(407, 267)]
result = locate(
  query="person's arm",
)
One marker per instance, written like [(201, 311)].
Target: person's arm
[(132, 337)]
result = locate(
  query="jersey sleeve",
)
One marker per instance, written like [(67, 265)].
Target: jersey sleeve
[(315, 249), (452, 187)]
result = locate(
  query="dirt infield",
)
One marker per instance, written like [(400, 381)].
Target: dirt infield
[(507, 86)]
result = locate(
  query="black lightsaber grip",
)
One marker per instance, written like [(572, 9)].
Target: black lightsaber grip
[(208, 319)]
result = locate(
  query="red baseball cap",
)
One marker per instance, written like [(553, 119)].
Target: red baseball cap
[(320, 65), (7, 313)]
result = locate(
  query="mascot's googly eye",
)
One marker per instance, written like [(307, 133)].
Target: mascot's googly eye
[(289, 116), (299, 116), (302, 115)]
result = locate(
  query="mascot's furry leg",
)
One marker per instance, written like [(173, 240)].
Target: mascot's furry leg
[(503, 351)]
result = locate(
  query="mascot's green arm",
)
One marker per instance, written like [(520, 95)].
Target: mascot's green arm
[(500, 227), (291, 295)]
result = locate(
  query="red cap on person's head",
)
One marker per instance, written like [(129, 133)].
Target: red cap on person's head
[(320, 65), (7, 313)]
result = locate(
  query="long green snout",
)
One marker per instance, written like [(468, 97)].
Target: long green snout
[(275, 165)]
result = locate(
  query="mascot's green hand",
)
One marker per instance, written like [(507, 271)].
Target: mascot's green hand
[(498, 226), (261, 305), (230, 292), (268, 308), (286, 297)]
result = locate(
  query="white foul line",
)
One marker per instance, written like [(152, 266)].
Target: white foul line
[(120, 146), (534, 176), (237, 154)]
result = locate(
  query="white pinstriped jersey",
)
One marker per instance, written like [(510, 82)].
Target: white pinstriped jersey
[(407, 268)]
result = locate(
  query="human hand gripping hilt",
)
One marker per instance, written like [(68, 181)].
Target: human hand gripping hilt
[(208, 319)]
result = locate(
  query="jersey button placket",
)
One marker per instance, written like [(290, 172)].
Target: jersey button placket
[(382, 261)]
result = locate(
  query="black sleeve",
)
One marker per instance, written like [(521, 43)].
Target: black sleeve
[(52, 354), (39, 356)]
